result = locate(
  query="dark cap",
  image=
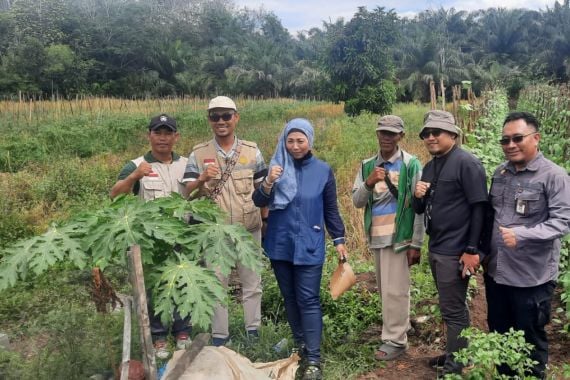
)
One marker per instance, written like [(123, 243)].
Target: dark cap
[(162, 121), (436, 119), (390, 123)]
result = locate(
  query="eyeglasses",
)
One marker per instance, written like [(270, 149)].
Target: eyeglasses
[(215, 117), (426, 132), (506, 140)]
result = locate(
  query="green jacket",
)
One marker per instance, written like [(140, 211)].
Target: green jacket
[(405, 214)]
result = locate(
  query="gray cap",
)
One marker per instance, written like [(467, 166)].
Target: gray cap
[(436, 119), (390, 123)]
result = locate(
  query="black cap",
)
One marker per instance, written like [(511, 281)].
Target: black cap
[(162, 121)]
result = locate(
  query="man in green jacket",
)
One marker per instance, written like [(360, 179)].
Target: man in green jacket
[(384, 187)]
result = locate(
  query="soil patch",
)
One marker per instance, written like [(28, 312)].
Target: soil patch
[(427, 339)]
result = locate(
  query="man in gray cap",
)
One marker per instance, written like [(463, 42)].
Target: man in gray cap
[(452, 194), (384, 186), (227, 170)]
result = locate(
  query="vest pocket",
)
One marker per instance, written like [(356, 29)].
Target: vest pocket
[(152, 189), (251, 216), (243, 181)]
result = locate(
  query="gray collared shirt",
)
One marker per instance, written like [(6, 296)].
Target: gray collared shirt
[(535, 203)]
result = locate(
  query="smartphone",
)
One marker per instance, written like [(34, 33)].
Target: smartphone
[(461, 266)]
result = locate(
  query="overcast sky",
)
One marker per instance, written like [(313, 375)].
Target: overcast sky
[(296, 15)]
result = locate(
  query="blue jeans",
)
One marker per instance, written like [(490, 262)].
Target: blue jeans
[(300, 286)]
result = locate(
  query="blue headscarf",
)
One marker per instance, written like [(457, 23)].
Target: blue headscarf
[(285, 187)]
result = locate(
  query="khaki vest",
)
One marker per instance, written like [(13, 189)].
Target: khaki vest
[(235, 198), (165, 183)]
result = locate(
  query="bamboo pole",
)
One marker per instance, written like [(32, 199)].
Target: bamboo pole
[(442, 88)]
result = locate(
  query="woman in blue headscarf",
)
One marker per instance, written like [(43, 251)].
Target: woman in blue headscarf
[(300, 192)]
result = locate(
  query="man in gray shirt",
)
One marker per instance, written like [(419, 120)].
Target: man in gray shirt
[(530, 197)]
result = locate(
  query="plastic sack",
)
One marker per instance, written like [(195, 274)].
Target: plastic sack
[(221, 363)]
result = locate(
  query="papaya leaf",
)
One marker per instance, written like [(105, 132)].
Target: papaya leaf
[(215, 246), (248, 250), (39, 253), (204, 210), (223, 246), (170, 249), (14, 264), (51, 247), (188, 287), (167, 229)]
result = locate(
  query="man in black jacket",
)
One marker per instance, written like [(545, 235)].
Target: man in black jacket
[(452, 195)]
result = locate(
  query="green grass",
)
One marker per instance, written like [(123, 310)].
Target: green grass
[(56, 168)]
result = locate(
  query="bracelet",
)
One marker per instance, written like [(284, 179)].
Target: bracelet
[(269, 184)]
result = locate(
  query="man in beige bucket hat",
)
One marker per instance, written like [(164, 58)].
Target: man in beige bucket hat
[(452, 194), (384, 186)]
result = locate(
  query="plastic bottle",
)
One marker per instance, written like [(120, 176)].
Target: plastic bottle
[(280, 346)]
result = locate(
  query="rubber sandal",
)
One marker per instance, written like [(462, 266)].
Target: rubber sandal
[(390, 352)]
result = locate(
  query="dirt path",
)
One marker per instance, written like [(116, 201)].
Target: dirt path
[(424, 344)]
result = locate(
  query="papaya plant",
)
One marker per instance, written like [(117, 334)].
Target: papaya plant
[(177, 256)]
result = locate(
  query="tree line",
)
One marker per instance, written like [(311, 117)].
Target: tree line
[(152, 48)]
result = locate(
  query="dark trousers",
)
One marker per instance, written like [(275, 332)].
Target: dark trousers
[(300, 286), (526, 309), (452, 290), (158, 329)]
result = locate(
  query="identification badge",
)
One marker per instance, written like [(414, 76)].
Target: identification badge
[(521, 207)]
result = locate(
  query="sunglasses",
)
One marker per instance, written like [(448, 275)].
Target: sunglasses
[(215, 117), (505, 140), (427, 132)]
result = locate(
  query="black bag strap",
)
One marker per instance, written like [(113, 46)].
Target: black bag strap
[(434, 181), (391, 187)]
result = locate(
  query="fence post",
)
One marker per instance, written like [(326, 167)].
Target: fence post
[(137, 282), (126, 338)]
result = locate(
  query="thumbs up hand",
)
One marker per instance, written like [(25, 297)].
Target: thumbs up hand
[(509, 237)]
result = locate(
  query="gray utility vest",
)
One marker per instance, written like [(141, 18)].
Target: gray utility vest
[(163, 181)]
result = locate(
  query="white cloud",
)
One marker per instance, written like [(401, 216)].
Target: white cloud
[(297, 15)]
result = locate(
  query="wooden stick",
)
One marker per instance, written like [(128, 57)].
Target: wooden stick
[(137, 282), (126, 338)]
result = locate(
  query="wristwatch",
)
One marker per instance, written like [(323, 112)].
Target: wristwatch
[(470, 250)]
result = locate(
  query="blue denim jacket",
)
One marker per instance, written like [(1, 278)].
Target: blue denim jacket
[(296, 233)]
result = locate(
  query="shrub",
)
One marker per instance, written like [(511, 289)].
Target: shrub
[(486, 351), (375, 99)]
